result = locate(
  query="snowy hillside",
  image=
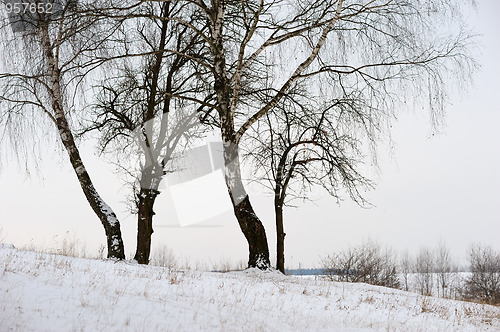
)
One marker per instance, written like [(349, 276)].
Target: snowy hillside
[(42, 292)]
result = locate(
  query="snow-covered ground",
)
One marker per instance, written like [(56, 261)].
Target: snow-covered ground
[(44, 292)]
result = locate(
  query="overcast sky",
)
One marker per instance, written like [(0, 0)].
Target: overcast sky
[(429, 188)]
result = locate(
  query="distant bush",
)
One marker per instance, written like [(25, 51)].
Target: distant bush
[(424, 268), (484, 282), (163, 256), (366, 263), (406, 266), (446, 270)]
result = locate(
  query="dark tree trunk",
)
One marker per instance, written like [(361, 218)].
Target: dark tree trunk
[(280, 236), (282, 180), (250, 224), (147, 199), (254, 232), (101, 209)]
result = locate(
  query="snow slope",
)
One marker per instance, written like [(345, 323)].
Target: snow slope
[(43, 292)]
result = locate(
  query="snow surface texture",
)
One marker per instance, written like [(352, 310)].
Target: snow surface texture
[(44, 292)]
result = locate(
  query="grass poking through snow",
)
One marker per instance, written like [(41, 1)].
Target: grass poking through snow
[(44, 292)]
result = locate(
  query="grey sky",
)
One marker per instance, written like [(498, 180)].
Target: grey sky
[(445, 187)]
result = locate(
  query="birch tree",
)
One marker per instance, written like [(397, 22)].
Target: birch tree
[(46, 55), (384, 53)]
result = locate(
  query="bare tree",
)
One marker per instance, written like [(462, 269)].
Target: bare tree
[(380, 54), (406, 266), (313, 145), (484, 281), (139, 120), (445, 269), (424, 269), (48, 61)]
